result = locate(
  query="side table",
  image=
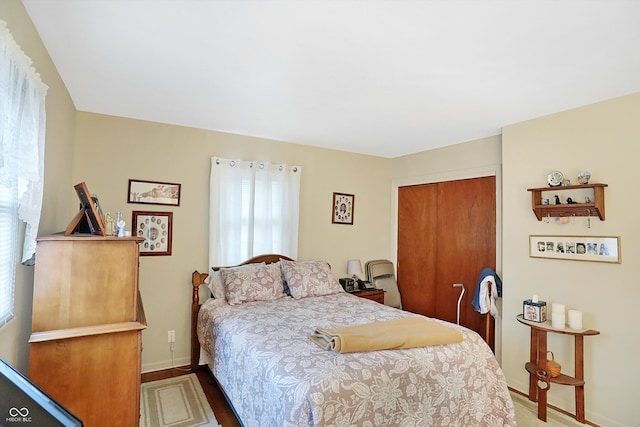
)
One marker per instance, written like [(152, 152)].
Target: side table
[(376, 295), (540, 380)]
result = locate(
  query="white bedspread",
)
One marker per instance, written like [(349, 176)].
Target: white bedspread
[(275, 375)]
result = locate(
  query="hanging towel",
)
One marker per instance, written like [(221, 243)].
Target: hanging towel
[(482, 302)]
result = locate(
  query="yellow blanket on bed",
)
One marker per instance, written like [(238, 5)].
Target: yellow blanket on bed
[(407, 332)]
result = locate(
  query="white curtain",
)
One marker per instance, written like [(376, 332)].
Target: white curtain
[(253, 210), (22, 134), (22, 128)]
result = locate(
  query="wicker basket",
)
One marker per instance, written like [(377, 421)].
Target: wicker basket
[(553, 367)]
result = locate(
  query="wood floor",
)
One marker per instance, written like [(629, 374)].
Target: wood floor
[(223, 412)]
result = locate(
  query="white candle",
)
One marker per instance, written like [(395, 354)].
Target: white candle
[(575, 319), (557, 316)]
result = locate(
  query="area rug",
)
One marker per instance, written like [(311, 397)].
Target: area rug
[(527, 414), (175, 402)]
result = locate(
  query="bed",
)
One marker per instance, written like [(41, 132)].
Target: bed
[(255, 340)]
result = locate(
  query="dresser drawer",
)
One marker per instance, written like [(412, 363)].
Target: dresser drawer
[(373, 295)]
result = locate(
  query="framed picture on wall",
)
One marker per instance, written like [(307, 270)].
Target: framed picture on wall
[(155, 229), (154, 193), (576, 248), (342, 209)]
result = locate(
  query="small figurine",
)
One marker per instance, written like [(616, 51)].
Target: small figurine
[(584, 177), (119, 224), (109, 225), (557, 200), (570, 201)]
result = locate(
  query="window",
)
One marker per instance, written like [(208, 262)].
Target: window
[(22, 127), (8, 248), (253, 210)]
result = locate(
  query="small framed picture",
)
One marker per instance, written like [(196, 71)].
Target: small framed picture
[(154, 193), (155, 229), (342, 210), (576, 248)]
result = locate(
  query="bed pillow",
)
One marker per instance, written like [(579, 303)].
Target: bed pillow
[(309, 278), (252, 282), (214, 283)]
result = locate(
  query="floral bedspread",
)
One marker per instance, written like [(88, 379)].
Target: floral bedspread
[(274, 375)]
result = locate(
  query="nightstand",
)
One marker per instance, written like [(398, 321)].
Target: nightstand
[(376, 295)]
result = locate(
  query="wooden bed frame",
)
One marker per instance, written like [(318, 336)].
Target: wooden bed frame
[(198, 279)]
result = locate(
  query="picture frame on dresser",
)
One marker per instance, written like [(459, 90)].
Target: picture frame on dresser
[(156, 230), (88, 216)]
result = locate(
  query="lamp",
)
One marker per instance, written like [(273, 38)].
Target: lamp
[(354, 267)]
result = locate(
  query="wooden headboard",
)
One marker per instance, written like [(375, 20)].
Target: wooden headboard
[(198, 279)]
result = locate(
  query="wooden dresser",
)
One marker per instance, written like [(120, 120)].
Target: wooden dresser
[(86, 340)]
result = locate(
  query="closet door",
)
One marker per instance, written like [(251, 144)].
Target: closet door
[(446, 235), (417, 239)]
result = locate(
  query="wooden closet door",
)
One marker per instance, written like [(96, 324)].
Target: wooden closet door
[(446, 235), (417, 237)]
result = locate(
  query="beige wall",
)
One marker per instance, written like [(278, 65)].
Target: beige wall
[(111, 150), (57, 204), (604, 139)]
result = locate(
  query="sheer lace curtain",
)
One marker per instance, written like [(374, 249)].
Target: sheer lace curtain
[(22, 131), (253, 210)]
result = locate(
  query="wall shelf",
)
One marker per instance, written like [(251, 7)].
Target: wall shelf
[(595, 208)]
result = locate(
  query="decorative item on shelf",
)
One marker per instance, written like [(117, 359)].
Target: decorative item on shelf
[(584, 177), (120, 223), (557, 199), (555, 178), (570, 201), (109, 225), (558, 319), (553, 367), (534, 310), (575, 319), (566, 182)]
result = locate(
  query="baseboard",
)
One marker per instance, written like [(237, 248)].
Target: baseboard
[(165, 364)]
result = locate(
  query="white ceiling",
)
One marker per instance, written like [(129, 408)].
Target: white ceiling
[(385, 78)]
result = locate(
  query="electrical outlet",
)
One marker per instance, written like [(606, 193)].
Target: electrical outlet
[(171, 336)]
